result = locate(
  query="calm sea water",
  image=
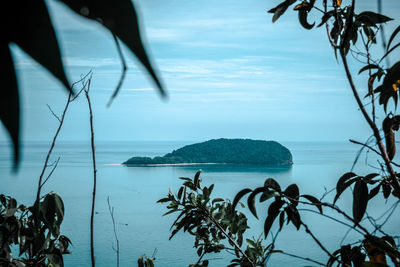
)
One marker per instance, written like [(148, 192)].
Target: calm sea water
[(134, 191)]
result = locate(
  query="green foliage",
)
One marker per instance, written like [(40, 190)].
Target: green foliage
[(28, 25), (236, 151), (214, 223), (39, 244)]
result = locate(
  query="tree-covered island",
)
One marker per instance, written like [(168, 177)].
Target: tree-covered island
[(223, 151)]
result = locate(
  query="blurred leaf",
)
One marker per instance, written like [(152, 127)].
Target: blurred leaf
[(121, 19), (239, 196), (273, 212), (360, 200), (281, 219), (389, 51)]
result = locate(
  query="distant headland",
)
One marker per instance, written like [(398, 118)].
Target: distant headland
[(222, 151)]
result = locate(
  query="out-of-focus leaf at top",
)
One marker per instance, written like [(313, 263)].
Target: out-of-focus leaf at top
[(9, 100), (121, 19), (30, 27)]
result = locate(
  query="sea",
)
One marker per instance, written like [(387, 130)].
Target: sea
[(134, 191)]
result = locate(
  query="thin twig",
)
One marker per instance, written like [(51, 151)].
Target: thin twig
[(111, 210), (51, 172), (94, 172), (300, 257), (54, 114)]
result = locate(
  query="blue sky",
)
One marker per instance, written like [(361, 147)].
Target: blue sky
[(228, 70)]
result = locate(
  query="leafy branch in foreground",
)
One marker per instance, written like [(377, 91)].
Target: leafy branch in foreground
[(214, 223)]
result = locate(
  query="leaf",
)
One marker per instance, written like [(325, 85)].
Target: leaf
[(273, 212), (121, 19), (30, 27), (369, 18), (325, 18), (360, 200), (271, 183), (343, 183), (239, 196), (314, 201), (292, 192), (251, 201), (345, 254), (303, 10), (386, 188), (280, 9), (395, 32), (196, 180), (374, 192), (9, 100)]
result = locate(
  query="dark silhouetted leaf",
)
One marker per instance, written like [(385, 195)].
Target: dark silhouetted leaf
[(196, 180), (387, 189), (303, 13), (357, 257), (369, 18), (239, 196), (314, 201), (9, 100), (271, 183), (121, 19), (280, 9), (343, 183), (251, 201), (293, 216), (325, 18), (360, 200), (345, 254), (30, 27), (292, 192), (374, 192), (273, 212)]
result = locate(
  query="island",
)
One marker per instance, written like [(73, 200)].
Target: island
[(222, 151)]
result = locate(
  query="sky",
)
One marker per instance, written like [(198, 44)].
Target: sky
[(229, 72)]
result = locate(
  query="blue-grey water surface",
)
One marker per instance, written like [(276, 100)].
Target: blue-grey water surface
[(134, 191)]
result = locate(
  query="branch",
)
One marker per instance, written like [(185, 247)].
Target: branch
[(111, 210), (300, 257), (373, 126), (94, 172)]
